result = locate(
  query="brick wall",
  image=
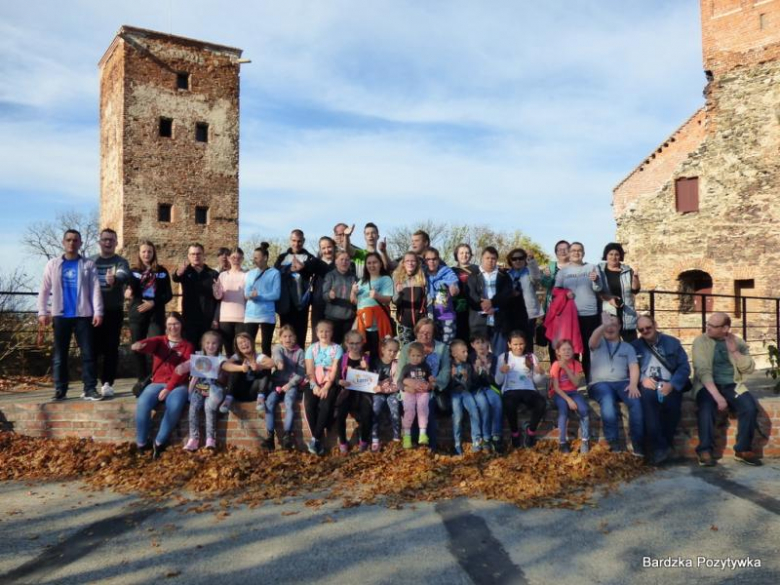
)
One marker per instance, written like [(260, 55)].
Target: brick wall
[(739, 32), (114, 420), (141, 169)]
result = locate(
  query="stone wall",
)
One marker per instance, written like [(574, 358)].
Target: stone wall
[(149, 169)]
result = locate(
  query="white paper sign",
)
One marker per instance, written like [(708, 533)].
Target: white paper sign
[(204, 366), (361, 380)]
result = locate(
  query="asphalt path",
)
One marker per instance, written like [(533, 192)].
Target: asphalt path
[(712, 519)]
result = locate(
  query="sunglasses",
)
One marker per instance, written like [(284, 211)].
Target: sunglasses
[(644, 329), (518, 258)]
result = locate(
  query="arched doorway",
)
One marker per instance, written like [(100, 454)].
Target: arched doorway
[(694, 281)]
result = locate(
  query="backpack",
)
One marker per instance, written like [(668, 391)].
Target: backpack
[(320, 375)]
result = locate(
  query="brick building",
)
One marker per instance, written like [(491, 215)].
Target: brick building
[(169, 143), (699, 213)]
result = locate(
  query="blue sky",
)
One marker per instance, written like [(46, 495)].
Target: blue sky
[(517, 114)]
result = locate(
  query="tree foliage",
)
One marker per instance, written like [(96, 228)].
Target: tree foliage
[(446, 237), (17, 317), (44, 238)]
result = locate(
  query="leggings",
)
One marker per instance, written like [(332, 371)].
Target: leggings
[(210, 405), (244, 389), (588, 324), (319, 411), (299, 320), (393, 405), (340, 329), (267, 332), (531, 399), (361, 407), (229, 330), (143, 326), (416, 405)]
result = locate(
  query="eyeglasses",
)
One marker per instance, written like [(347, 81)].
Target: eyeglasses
[(644, 329), (432, 259), (517, 258), (713, 326)]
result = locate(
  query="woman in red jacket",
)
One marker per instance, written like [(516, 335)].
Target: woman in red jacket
[(167, 387)]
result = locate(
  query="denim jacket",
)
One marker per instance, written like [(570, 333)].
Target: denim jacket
[(671, 350)]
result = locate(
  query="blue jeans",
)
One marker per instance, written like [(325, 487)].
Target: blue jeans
[(661, 418), (563, 415), (461, 400), (491, 412), (275, 398), (607, 394), (147, 402), (744, 405), (64, 328)]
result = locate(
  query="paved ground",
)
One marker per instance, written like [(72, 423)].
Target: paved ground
[(61, 533)]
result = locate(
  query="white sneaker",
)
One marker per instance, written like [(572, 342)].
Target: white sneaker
[(107, 390)]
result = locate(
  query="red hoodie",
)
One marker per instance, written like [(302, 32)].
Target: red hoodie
[(164, 368), (561, 321)]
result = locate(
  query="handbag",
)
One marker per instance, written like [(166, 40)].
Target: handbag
[(139, 386)]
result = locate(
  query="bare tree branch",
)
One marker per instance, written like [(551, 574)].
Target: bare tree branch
[(44, 238)]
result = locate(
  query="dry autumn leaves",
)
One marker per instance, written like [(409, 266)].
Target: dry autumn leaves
[(539, 477)]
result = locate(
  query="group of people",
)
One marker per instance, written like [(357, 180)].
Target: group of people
[(460, 340)]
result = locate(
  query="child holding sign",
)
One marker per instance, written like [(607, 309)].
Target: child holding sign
[(207, 389), (353, 401)]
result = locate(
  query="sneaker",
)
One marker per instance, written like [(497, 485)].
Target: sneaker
[(92, 395), (564, 448), (288, 442), (192, 445), (517, 441), (659, 457), (224, 408), (268, 444), (615, 447), (638, 454), (585, 446), (157, 450), (211, 443), (107, 390), (407, 442), (313, 446), (423, 439), (476, 446), (375, 446), (706, 460), (748, 458), (343, 448), (362, 446), (260, 407), (497, 443), (59, 395)]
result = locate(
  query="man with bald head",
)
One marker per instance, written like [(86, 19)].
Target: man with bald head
[(721, 360)]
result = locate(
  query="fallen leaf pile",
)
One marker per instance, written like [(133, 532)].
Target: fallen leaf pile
[(18, 384), (539, 477)]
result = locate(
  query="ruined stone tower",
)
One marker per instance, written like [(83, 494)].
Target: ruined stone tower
[(699, 213), (169, 143)]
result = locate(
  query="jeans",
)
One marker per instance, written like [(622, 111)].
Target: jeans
[(461, 400), (606, 394), (106, 343), (491, 412), (661, 418), (64, 328), (148, 401), (210, 406), (393, 405), (563, 415), (747, 415), (275, 398)]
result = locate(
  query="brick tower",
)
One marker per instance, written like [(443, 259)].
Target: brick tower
[(169, 143)]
